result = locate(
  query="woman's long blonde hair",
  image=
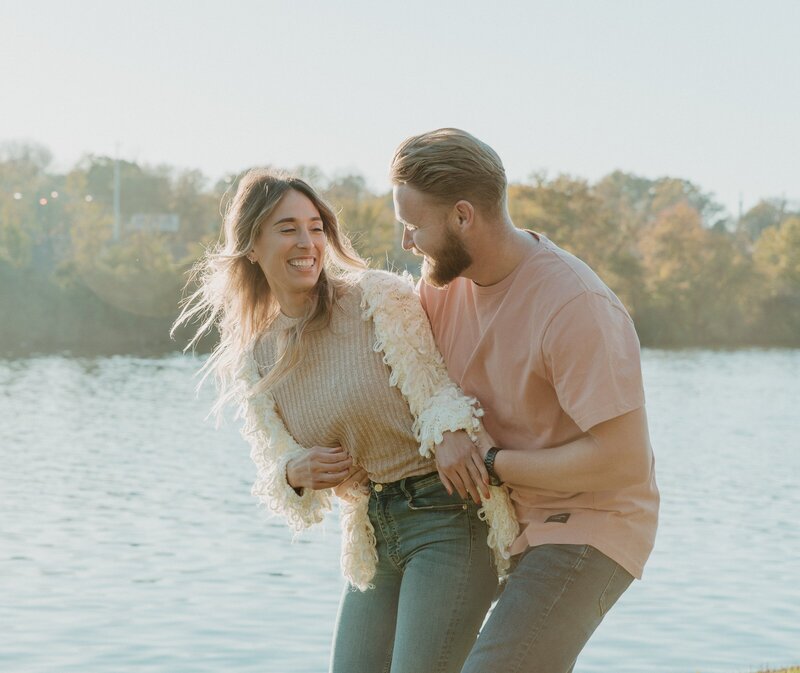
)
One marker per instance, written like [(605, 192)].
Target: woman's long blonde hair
[(234, 294)]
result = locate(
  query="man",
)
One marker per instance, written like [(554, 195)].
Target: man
[(553, 357)]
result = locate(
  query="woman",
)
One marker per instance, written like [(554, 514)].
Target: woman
[(336, 374)]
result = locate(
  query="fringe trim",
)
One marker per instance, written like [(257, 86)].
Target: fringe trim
[(498, 512), (271, 448), (359, 554), (403, 335)]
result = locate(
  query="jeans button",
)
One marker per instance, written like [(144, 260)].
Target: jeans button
[(378, 487)]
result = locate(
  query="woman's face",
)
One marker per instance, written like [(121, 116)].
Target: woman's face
[(290, 249)]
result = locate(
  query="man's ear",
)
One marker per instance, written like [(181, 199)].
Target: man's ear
[(465, 215)]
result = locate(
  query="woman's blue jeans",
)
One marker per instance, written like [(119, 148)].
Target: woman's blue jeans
[(434, 583)]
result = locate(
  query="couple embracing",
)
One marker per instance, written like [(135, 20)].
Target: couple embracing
[(487, 424)]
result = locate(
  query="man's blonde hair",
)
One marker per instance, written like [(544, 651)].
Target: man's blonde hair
[(449, 165)]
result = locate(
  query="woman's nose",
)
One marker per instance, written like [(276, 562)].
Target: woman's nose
[(408, 242)]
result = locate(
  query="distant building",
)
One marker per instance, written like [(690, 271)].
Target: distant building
[(154, 222)]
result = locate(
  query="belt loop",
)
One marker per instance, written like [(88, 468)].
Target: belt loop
[(404, 489)]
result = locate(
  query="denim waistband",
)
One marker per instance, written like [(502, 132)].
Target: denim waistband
[(408, 485)]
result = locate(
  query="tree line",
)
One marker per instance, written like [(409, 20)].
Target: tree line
[(689, 273)]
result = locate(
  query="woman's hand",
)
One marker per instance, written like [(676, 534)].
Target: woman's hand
[(484, 441), (318, 468), (356, 481), (460, 465)]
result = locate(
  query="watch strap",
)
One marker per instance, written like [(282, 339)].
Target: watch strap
[(488, 462)]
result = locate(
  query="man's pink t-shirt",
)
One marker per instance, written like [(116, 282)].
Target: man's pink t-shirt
[(550, 352)]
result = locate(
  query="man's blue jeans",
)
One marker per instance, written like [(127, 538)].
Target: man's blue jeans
[(554, 599), (433, 586)]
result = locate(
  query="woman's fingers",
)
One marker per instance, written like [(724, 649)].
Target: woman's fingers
[(466, 479), (472, 481), (320, 467), (445, 481), (330, 454), (328, 479), (355, 480), (458, 484), (332, 459), (480, 475)]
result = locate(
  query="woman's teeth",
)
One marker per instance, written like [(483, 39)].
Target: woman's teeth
[(302, 263)]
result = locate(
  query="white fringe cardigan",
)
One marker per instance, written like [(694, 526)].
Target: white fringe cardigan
[(403, 335)]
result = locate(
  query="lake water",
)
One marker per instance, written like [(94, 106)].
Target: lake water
[(129, 541)]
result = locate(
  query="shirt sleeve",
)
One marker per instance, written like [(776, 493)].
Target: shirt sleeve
[(592, 358)]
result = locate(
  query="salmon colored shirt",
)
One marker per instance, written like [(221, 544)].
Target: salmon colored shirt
[(550, 351)]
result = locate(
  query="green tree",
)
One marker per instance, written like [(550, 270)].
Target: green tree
[(777, 255), (777, 260), (196, 206), (697, 281), (364, 217), (765, 214), (33, 226), (673, 259), (142, 189)]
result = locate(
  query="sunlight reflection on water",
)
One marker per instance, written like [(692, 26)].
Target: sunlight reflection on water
[(129, 540)]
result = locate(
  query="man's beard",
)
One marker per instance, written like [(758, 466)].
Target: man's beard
[(448, 264)]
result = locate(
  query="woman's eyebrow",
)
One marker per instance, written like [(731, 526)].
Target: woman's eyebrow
[(295, 219)]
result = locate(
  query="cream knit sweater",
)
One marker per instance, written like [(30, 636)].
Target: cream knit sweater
[(339, 395), (402, 335)]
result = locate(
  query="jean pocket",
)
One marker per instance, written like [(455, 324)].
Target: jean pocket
[(620, 580), (434, 496)]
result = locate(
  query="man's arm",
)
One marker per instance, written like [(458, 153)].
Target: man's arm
[(615, 454)]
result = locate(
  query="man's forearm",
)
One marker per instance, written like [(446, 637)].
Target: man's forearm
[(614, 455), (572, 467)]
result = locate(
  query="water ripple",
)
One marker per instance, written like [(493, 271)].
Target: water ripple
[(129, 540)]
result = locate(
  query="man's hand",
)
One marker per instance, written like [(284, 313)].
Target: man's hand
[(460, 466), (318, 468), (356, 480)]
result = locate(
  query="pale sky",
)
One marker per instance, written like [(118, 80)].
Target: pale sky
[(703, 90)]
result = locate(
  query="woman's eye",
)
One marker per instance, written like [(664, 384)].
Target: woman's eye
[(287, 231)]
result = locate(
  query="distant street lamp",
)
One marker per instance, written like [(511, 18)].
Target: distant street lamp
[(43, 201), (17, 196), (54, 194)]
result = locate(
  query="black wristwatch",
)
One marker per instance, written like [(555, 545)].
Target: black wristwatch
[(488, 461)]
